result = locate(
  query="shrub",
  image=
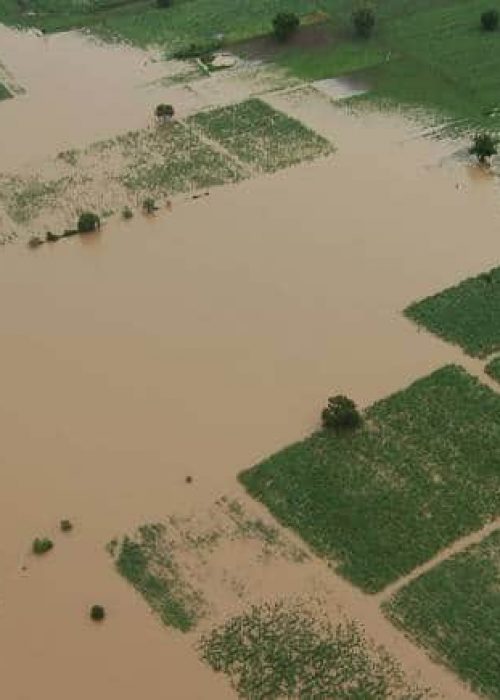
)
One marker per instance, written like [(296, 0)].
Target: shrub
[(66, 525), (149, 205), (35, 241), (51, 237), (341, 413), (164, 112), (97, 613), (489, 20), (484, 146), (41, 545), (363, 19), (127, 213), (88, 222), (284, 25)]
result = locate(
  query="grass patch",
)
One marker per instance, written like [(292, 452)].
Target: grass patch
[(454, 611), (466, 314), (493, 369), (145, 562), (422, 471), (276, 651), (261, 136), (24, 198)]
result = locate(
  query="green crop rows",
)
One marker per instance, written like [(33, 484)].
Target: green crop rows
[(422, 471)]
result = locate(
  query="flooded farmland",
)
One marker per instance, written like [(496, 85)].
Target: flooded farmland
[(196, 343)]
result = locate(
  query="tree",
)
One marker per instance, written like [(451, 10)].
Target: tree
[(341, 414), (285, 24), (163, 3), (489, 20), (97, 613), (164, 112), (363, 19), (41, 545), (484, 146), (88, 222), (149, 206)]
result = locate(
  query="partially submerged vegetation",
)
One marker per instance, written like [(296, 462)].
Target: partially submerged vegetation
[(282, 650), (423, 470), (466, 314), (261, 136), (454, 612), (42, 545)]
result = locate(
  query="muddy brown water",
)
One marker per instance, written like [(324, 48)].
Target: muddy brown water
[(197, 344)]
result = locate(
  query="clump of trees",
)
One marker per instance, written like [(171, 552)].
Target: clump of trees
[(489, 20), (97, 613), (483, 147), (164, 113), (285, 24), (88, 222), (41, 545), (341, 414), (363, 19)]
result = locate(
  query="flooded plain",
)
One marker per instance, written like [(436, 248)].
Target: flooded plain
[(196, 344)]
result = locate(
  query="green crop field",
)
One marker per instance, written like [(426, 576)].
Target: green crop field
[(454, 611), (261, 136), (493, 369), (277, 651), (467, 314), (422, 471)]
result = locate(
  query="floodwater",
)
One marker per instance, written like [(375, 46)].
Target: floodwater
[(197, 344)]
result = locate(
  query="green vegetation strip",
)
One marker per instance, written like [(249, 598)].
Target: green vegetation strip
[(454, 611), (4, 92), (277, 651), (261, 136), (147, 564), (422, 471), (467, 314), (493, 369)]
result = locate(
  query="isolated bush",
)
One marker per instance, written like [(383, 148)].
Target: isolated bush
[(66, 525), (341, 413), (164, 112), (97, 613), (127, 213), (363, 19), (149, 205), (88, 222), (284, 25), (41, 545), (484, 146), (489, 20)]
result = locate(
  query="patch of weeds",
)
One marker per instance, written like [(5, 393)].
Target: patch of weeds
[(70, 156), (422, 471), (25, 198), (148, 564), (466, 314), (261, 136), (275, 651), (454, 612)]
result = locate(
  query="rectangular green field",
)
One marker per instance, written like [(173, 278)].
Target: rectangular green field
[(454, 612), (423, 471), (467, 314), (261, 136)]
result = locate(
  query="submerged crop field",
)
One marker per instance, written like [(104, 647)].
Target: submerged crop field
[(282, 650), (422, 471), (454, 612), (262, 136), (466, 314)]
